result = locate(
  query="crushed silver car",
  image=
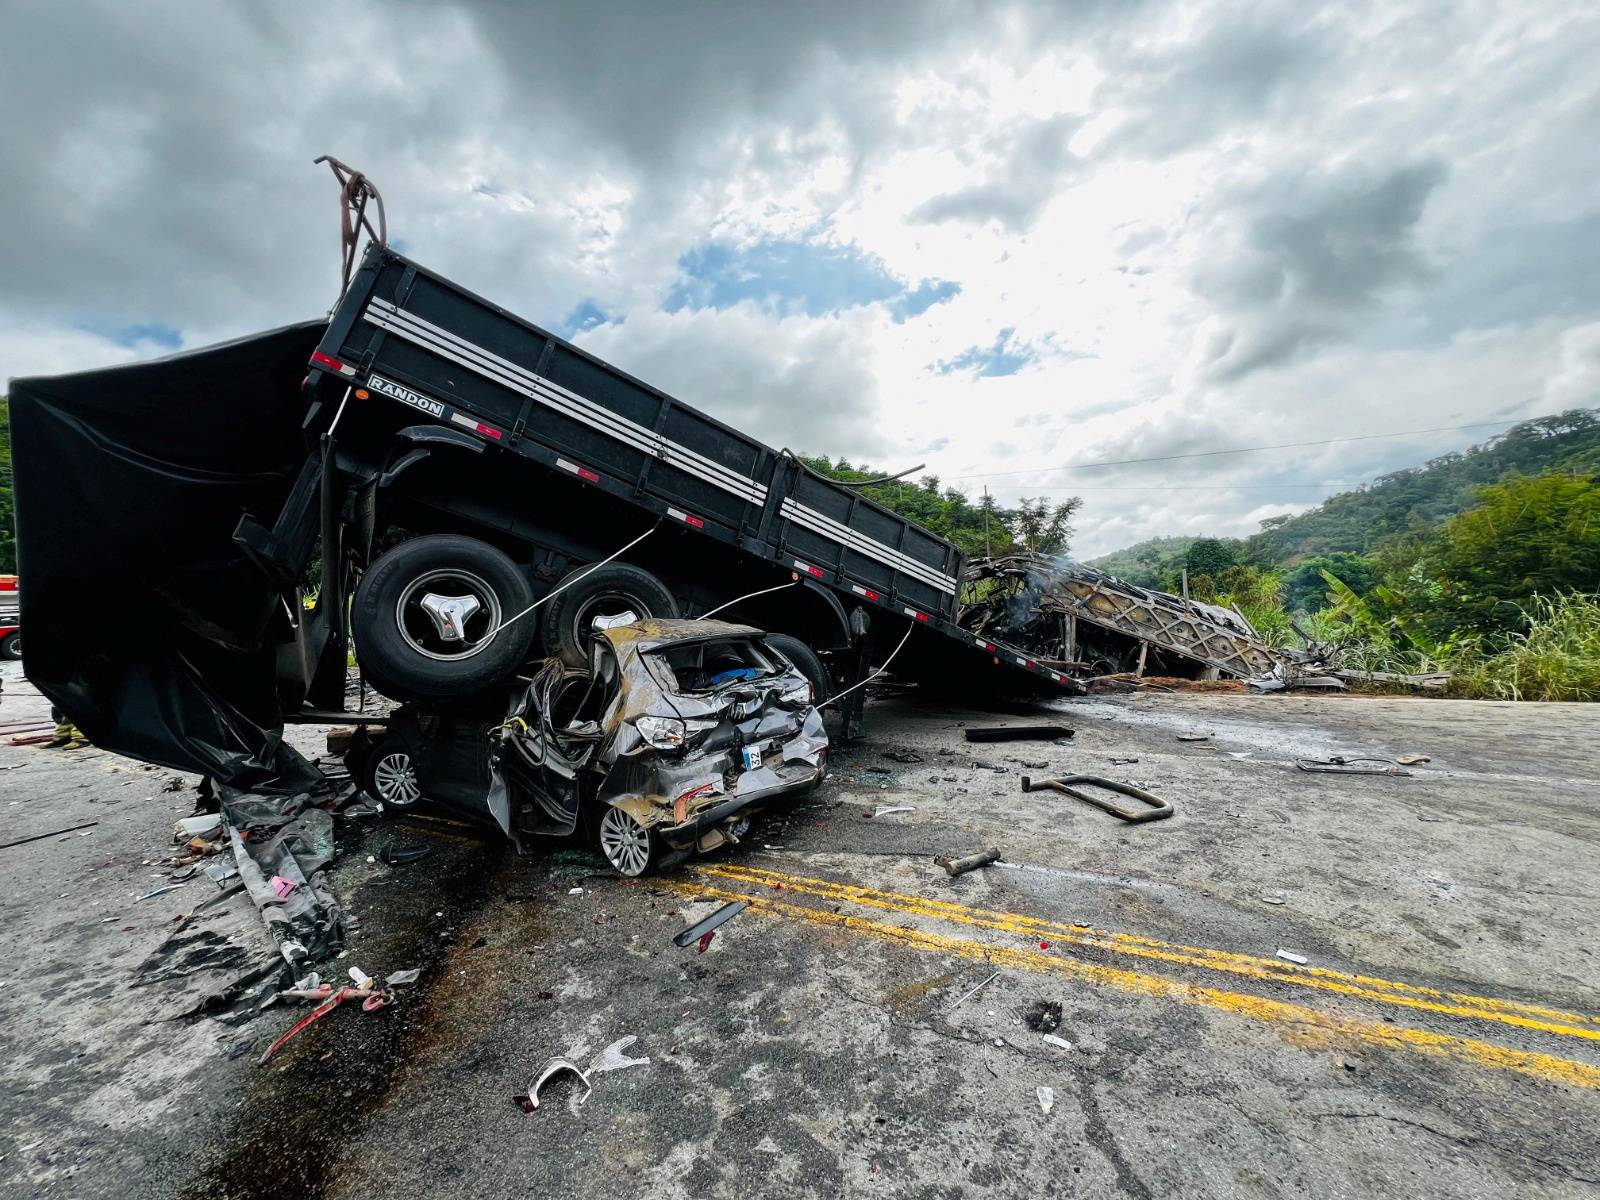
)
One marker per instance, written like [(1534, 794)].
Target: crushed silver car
[(659, 748)]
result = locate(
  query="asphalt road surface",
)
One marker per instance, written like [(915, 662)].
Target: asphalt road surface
[(869, 1026)]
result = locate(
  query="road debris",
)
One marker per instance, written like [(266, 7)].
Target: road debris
[(960, 866), (1123, 762), (1340, 765), (968, 995), (615, 1058), (1159, 810), (171, 887), (1043, 1016), (1047, 1098), (903, 756), (1291, 956), (330, 998), (1018, 733), (1059, 1042), (398, 856), (39, 837), (530, 1100), (702, 929), (1412, 760), (887, 809), (1194, 737)]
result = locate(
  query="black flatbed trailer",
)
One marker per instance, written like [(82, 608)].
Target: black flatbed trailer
[(425, 409)]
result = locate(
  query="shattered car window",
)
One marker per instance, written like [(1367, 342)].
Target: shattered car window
[(706, 666)]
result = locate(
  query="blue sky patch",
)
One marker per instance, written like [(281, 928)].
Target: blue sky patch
[(1002, 358), (796, 277), (585, 317), (129, 336)]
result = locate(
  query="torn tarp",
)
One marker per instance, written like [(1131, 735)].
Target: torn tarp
[(146, 623), (283, 845)]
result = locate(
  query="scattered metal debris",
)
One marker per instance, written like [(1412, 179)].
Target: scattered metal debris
[(960, 866), (530, 1101), (39, 837), (1159, 809), (1018, 733), (968, 995), (1340, 765), (903, 756), (709, 925), (171, 887)]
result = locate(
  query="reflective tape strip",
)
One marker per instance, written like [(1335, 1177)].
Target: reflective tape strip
[(871, 547), (581, 472), (507, 374), (914, 614), (810, 570), (867, 592), (686, 518)]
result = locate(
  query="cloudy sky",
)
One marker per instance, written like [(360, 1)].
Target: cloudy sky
[(993, 238)]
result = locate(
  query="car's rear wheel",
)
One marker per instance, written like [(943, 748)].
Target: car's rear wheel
[(11, 646), (430, 616), (607, 591)]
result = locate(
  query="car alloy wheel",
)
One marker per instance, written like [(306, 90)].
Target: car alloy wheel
[(394, 778), (625, 843)]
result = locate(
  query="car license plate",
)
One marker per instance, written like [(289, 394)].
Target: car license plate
[(752, 757)]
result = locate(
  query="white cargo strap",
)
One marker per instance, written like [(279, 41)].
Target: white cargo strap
[(874, 675), (564, 586), (747, 596)]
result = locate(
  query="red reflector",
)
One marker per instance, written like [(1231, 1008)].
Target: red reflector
[(696, 522), (327, 360), (871, 595), (591, 476), (817, 571), (922, 616), (488, 431)]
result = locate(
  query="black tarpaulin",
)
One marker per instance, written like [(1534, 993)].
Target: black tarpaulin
[(145, 623)]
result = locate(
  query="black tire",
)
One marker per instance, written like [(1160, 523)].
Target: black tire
[(806, 662), (388, 773), (613, 588), (11, 646), (402, 651)]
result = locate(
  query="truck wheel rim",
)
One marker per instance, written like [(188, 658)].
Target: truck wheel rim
[(395, 780), (626, 843), (608, 604), (422, 634)]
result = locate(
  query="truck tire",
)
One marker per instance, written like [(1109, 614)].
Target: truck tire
[(614, 588), (408, 651), (806, 662)]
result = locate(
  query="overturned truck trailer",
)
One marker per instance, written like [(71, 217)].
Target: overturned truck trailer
[(452, 492), (1086, 622)]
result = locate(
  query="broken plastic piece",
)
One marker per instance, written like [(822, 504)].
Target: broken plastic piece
[(361, 979), (891, 808), (1291, 956), (1412, 760), (554, 1067), (1339, 765), (397, 856), (1047, 1098), (1018, 733), (1058, 1041), (171, 887), (411, 975), (960, 866), (707, 925), (281, 887), (614, 1057), (1194, 737)]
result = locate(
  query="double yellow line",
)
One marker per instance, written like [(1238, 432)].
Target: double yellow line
[(1309, 1025)]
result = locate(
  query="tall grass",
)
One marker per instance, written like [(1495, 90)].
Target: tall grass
[(1555, 656)]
